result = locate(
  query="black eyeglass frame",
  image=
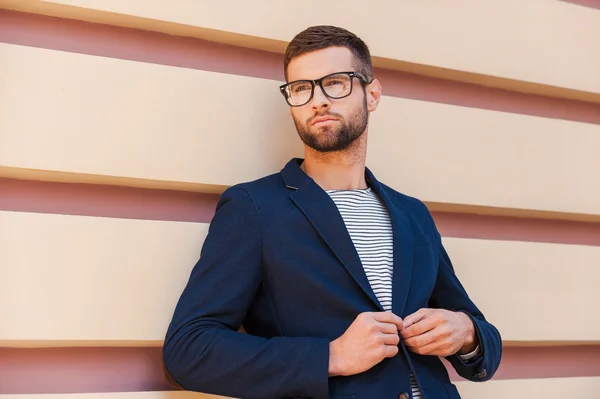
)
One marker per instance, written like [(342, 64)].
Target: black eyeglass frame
[(313, 83)]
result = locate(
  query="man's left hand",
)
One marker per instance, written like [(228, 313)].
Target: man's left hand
[(439, 332)]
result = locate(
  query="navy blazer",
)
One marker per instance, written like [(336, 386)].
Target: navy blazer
[(279, 261)]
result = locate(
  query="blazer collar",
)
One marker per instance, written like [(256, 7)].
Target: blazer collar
[(403, 245), (294, 177), (322, 212)]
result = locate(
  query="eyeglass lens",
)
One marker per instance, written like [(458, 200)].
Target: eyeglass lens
[(334, 86)]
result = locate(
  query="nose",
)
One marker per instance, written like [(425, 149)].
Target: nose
[(319, 100)]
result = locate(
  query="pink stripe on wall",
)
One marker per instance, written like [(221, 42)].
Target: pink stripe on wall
[(74, 370), (545, 362), (140, 203), (137, 45), (105, 201), (424, 88), (585, 3), (462, 225)]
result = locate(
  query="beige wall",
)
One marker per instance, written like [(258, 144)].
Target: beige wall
[(88, 103), (116, 281), (85, 279), (156, 122), (507, 39), (583, 387)]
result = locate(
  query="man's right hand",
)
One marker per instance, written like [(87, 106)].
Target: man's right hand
[(372, 337)]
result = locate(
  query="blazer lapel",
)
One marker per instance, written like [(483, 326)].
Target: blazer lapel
[(321, 211), (403, 246)]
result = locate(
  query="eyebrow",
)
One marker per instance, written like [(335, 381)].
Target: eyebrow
[(351, 69)]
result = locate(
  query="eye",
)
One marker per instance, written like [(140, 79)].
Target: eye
[(300, 88), (334, 82)]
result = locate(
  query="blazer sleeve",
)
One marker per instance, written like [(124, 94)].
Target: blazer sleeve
[(203, 349), (449, 293)]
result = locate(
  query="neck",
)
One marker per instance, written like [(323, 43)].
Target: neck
[(339, 170)]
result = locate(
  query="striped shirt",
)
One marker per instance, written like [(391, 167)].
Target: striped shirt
[(368, 223)]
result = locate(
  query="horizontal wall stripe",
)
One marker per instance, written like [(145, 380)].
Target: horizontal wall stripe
[(173, 205), (120, 181), (520, 286), (50, 176), (461, 225), (119, 395), (137, 45), (93, 369), (580, 388), (521, 53), (152, 47), (585, 3), (531, 291), (86, 369), (495, 211), (428, 150), (497, 159), (113, 343), (73, 279), (106, 201), (419, 87), (545, 362)]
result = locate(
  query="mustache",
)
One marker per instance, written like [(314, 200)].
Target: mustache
[(332, 114)]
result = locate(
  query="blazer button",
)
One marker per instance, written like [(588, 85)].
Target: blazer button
[(403, 395)]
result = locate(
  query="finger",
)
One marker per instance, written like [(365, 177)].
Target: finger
[(387, 328), (388, 317), (420, 327), (391, 351), (391, 339), (435, 348), (417, 316), (422, 340)]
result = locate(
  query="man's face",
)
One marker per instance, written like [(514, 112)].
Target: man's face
[(326, 124)]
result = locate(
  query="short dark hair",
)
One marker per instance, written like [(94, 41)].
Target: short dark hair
[(325, 36)]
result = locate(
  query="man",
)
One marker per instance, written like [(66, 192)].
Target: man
[(341, 283)]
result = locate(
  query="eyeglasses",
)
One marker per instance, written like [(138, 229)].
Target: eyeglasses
[(336, 85)]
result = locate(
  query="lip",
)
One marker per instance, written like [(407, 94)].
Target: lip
[(322, 119)]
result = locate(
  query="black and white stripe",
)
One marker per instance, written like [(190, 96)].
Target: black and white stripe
[(368, 223)]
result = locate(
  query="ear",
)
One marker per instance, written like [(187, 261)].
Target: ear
[(373, 90)]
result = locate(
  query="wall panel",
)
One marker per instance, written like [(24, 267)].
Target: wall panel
[(170, 124), (439, 34), (115, 281), (501, 122), (90, 279), (587, 388), (531, 291)]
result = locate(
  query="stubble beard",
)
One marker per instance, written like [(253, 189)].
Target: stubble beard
[(327, 139)]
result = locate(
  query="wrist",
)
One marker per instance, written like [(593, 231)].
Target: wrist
[(334, 363), (470, 341)]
